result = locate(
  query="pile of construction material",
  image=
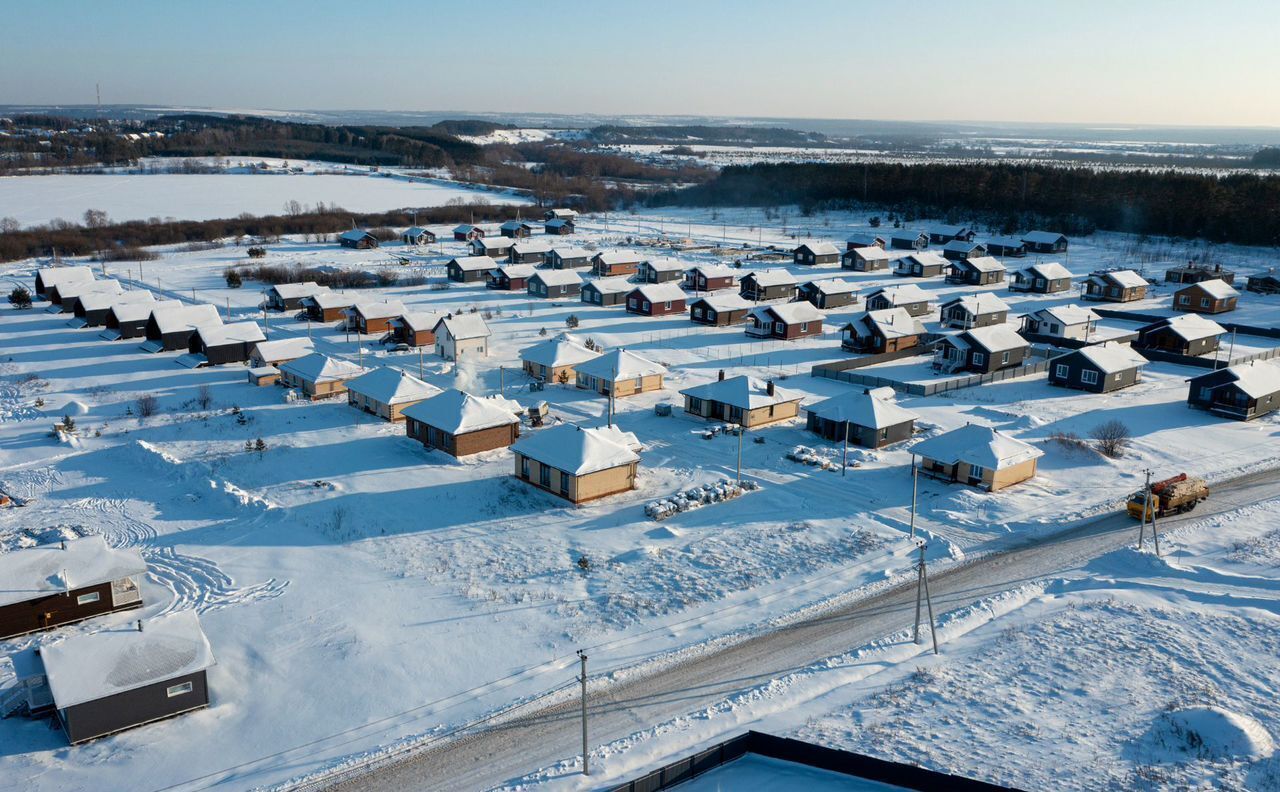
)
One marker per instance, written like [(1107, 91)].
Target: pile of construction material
[(698, 497)]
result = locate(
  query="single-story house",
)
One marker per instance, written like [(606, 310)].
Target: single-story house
[(1008, 247), (959, 250), (976, 271), (1241, 392), (556, 284), (1192, 272), (289, 296), (327, 306), (1074, 322), (810, 253), (578, 464), (615, 262), (357, 238), (983, 350), (465, 335), (560, 214), (620, 372), (318, 376), (856, 241), (979, 456), (1098, 368), (568, 258), (770, 284), (469, 269), (460, 424), (785, 321), (374, 317), (920, 265), (68, 295), (493, 247), (943, 234), (974, 310), (910, 297), (529, 251), (829, 293), (742, 400), (867, 259), (417, 235), (1206, 297), (1264, 283), (719, 310), (656, 299), (883, 330), (1048, 277), (554, 359), (91, 309), (104, 682), (279, 351), (130, 320), (170, 329), (49, 277), (386, 392), (661, 270), (1045, 242), (516, 229), (467, 232), (53, 584), (607, 291), (225, 343), (867, 417), (908, 240), (559, 227), (415, 328), (1184, 334), (710, 277), (512, 277), (1115, 286)]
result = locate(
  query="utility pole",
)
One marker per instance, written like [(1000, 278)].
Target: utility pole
[(583, 679), (502, 375), (922, 592), (741, 430), (915, 477), (419, 361), (844, 454), (228, 309), (1146, 506)]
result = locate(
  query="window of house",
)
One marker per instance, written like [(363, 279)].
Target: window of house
[(89, 598), (697, 313), (1184, 299), (804, 327), (524, 468), (544, 475), (564, 484), (979, 358), (667, 305), (646, 305), (1204, 302), (1089, 377), (178, 690), (1206, 394), (1004, 358), (1060, 371), (695, 404), (1119, 376), (977, 471), (1053, 328)]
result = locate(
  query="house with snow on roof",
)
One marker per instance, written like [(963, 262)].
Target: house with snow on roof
[(554, 359), (608, 263), (786, 321), (719, 310), (976, 271), (68, 295), (358, 239), (559, 226), (91, 309), (1242, 392), (909, 297), (710, 277), (943, 234), (529, 251), (1206, 297), (220, 344), (415, 328), (868, 259), (978, 456), (974, 310), (47, 278), (961, 250), (493, 247), (130, 319), (903, 239), (656, 299), (463, 336), (1006, 247), (578, 464), (869, 418), (1047, 277), (318, 376), (374, 317), (1097, 368), (54, 584), (469, 269), (555, 284), (885, 330), (1115, 286), (661, 270), (925, 264), (1185, 334), (811, 253), (467, 232), (511, 277), (770, 284), (386, 392), (568, 257), (516, 229), (982, 350), (289, 296), (865, 240), (620, 372), (327, 306), (1045, 242), (828, 293), (461, 424), (1068, 322), (417, 235), (742, 400), (170, 328)]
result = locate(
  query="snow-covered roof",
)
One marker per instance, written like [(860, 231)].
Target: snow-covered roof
[(1126, 278), (318, 367), (890, 322), (743, 392), (1111, 358), (872, 254), (715, 270), (948, 230), (329, 299), (283, 349), (512, 225), (415, 231), (995, 338), (137, 311), (185, 317), (977, 445), (1049, 270), (515, 271), (665, 264), (1188, 327), (570, 252), (562, 277), (562, 213), (1042, 237), (904, 233), (618, 257), (790, 313), (831, 286), (56, 276), (864, 239), (33, 572), (391, 386), (89, 667), (473, 263), (527, 246), (465, 228), (771, 277), (235, 333), (74, 289), (1217, 288), (925, 258), (983, 264), (384, 309), (457, 412), (725, 302), (355, 234), (961, 246), (1256, 379), (906, 294), (562, 350), (558, 222), (418, 321), (863, 408), (577, 451), (660, 292), (620, 364), (1067, 315), (290, 291), (820, 248), (980, 303), (1005, 242), (464, 326), (493, 243), (97, 301)]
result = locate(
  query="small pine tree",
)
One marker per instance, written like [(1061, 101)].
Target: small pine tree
[(259, 446), (542, 331), (20, 298), (68, 423), (874, 222), (571, 321), (233, 279), (248, 446)]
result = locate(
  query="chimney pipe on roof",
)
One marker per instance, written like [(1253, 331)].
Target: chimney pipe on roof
[(720, 377), (64, 544), (139, 625), (769, 387)]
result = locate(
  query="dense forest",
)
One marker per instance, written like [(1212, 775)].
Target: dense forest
[(717, 135), (1243, 208)]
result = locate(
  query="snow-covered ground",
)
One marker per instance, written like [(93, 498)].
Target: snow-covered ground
[(359, 590)]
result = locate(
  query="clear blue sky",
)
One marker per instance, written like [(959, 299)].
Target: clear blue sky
[(1122, 61)]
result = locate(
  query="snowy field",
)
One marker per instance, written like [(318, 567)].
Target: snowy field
[(360, 591), (39, 199)]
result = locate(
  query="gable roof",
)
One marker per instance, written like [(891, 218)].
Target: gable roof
[(1216, 288), (1108, 358), (1188, 327), (512, 225), (76, 289), (620, 364), (993, 338), (184, 317), (96, 301), (1256, 379), (831, 286), (559, 277), (863, 408), (864, 239), (819, 248), (33, 572), (472, 263), (318, 367), (414, 231), (391, 386), (419, 321), (56, 276), (561, 350), (384, 309), (907, 234), (289, 291), (225, 334), (1126, 278), (744, 392), (905, 294), (1068, 315), (466, 228), (513, 271), (464, 326), (1005, 242), (282, 349), (458, 412), (660, 292), (977, 445), (925, 258), (948, 230), (664, 264), (570, 252), (329, 299), (355, 234), (872, 254), (138, 311), (526, 246), (577, 451), (1043, 237), (790, 313), (1049, 270), (715, 270), (771, 277), (962, 246), (889, 322), (980, 303), (493, 243), (618, 257), (559, 222), (725, 302), (981, 264)]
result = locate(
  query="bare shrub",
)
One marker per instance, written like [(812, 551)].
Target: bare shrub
[(1111, 438), (146, 405), (128, 254), (1070, 442), (204, 397)]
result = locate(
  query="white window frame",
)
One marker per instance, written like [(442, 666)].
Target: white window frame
[(1089, 376), (178, 690), (89, 597), (979, 358), (1061, 371)]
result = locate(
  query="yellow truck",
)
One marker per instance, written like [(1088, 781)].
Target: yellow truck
[(1170, 496)]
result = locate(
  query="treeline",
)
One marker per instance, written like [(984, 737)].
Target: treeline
[(720, 135), (68, 240), (1242, 208), (333, 278)]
